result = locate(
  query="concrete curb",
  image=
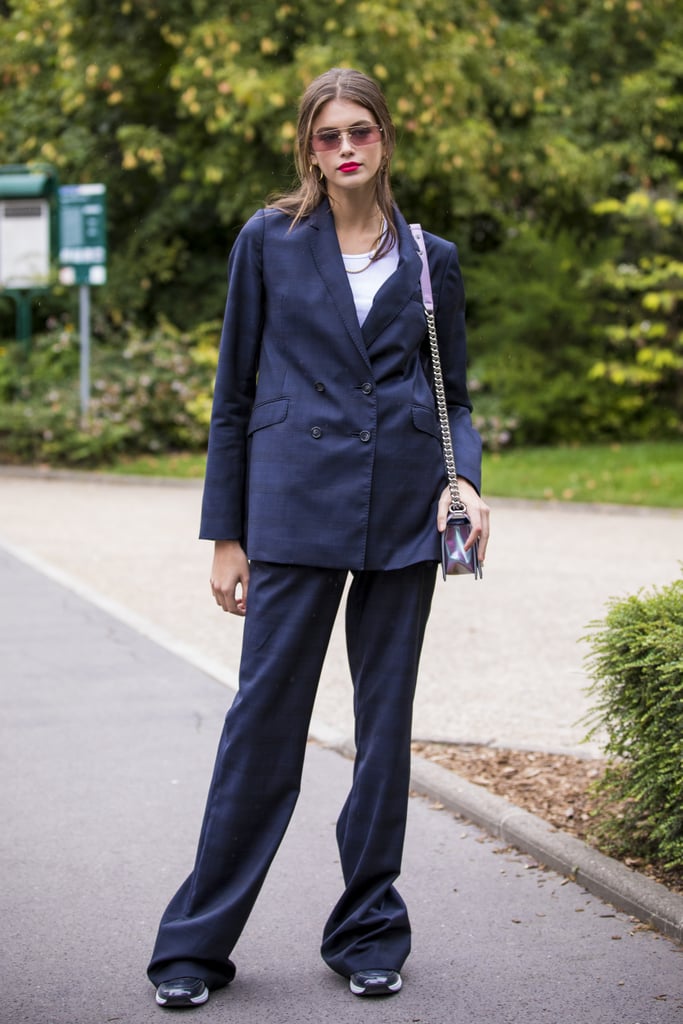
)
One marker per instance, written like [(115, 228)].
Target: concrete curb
[(612, 881)]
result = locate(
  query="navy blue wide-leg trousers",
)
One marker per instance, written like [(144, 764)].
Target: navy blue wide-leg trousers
[(257, 775)]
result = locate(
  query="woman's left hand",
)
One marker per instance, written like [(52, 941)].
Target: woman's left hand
[(477, 510)]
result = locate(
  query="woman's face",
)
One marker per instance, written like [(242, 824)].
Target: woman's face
[(355, 161)]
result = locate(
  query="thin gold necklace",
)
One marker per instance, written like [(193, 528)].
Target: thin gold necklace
[(373, 252)]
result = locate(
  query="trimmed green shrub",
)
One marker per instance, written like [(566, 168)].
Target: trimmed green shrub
[(637, 669)]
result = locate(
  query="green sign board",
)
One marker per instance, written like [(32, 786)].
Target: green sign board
[(83, 234)]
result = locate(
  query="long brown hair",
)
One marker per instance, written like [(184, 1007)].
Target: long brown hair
[(339, 84)]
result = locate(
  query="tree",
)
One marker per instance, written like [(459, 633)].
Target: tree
[(515, 118), (639, 295)]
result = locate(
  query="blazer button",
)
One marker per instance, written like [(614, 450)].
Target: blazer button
[(316, 432), (365, 435), (319, 386), (366, 388)]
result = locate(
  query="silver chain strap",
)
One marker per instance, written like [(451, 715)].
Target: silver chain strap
[(457, 504)]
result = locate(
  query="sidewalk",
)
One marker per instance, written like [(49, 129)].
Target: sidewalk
[(107, 743), (503, 662)]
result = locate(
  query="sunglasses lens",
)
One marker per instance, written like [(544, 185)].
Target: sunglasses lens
[(364, 135), (326, 141), (360, 135)]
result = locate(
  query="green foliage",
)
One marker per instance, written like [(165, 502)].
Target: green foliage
[(150, 392), (639, 297), (582, 341), (188, 114), (523, 130), (529, 356), (637, 671)]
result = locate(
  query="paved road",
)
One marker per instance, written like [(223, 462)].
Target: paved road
[(106, 742)]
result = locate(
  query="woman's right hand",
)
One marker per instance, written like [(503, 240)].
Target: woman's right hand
[(230, 576)]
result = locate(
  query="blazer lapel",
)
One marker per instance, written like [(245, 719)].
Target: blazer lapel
[(392, 298), (398, 290), (328, 260)]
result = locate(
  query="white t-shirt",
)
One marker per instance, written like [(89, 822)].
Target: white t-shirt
[(366, 284)]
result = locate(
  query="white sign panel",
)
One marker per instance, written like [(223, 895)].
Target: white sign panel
[(24, 243)]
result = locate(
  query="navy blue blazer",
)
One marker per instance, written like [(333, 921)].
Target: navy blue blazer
[(324, 445)]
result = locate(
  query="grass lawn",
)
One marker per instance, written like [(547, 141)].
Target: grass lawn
[(185, 465), (649, 473)]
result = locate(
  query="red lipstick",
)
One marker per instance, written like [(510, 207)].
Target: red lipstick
[(347, 168)]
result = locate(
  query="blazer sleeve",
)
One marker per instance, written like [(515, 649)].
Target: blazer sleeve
[(224, 484), (449, 311)]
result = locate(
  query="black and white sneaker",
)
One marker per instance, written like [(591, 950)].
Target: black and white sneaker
[(375, 983), (182, 992)]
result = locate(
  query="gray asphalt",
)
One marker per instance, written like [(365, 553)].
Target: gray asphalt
[(107, 743)]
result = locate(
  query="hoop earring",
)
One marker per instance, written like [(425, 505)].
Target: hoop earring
[(321, 176)]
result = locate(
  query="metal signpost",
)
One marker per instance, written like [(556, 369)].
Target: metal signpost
[(83, 257)]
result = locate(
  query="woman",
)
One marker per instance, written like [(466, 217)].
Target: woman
[(324, 459)]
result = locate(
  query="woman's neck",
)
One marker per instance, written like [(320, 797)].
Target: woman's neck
[(357, 220)]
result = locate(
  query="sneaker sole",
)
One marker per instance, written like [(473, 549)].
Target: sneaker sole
[(376, 990), (183, 1001)]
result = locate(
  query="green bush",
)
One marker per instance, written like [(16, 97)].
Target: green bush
[(580, 340), (637, 669), (150, 392), (530, 338)]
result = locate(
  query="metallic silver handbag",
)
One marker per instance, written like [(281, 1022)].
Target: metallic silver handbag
[(455, 561)]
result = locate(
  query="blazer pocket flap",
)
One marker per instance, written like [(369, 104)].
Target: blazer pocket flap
[(425, 419), (267, 413)]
